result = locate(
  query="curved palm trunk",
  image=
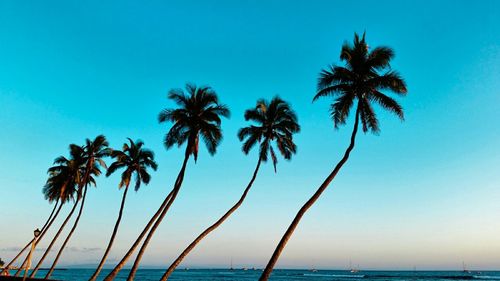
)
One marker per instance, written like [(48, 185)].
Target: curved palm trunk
[(69, 235), (44, 231), (277, 252), (46, 225), (112, 239), (177, 186), (38, 240), (16, 257), (54, 239), (123, 261), (207, 231)]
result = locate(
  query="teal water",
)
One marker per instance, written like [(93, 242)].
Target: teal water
[(284, 275)]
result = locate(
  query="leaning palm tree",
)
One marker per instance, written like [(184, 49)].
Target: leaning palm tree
[(276, 122), (63, 181), (198, 116), (360, 81), (52, 192), (135, 160), (93, 154), (45, 227)]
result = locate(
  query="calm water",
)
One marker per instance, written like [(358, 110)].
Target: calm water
[(284, 275)]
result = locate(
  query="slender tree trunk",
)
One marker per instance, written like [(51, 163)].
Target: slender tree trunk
[(112, 239), (29, 260), (75, 224), (123, 261), (29, 243), (176, 189), (274, 258), (41, 236), (54, 239), (16, 257), (45, 230), (207, 231)]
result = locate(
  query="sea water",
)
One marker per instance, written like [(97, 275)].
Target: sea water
[(282, 275)]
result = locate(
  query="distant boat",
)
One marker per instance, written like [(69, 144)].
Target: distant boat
[(353, 270), (464, 269), (231, 268), (313, 269)]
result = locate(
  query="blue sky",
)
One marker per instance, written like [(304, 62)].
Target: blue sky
[(423, 193)]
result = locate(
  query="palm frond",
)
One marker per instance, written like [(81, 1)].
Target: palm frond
[(388, 103)]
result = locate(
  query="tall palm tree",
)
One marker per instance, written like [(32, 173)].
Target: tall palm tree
[(363, 78), (276, 122), (93, 153), (55, 189), (199, 115), (64, 178), (135, 160)]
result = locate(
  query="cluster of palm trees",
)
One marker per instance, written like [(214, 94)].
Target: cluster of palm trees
[(360, 83)]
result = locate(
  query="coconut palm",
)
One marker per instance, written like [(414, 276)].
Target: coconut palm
[(135, 160), (276, 122), (363, 78), (198, 116), (63, 181), (93, 153)]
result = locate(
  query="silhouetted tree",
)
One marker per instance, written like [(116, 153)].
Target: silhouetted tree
[(135, 160), (93, 153), (64, 179), (198, 116), (275, 122), (358, 81)]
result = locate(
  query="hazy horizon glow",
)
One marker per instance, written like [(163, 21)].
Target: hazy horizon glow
[(423, 193)]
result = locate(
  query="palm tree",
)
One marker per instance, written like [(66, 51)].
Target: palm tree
[(45, 227), (135, 160), (93, 154), (53, 191), (64, 178), (359, 80), (198, 116), (276, 122)]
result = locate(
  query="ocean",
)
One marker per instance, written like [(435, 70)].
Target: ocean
[(283, 275)]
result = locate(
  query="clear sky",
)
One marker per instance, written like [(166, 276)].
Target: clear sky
[(423, 193)]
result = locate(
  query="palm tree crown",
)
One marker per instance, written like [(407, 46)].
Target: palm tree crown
[(65, 176), (93, 153), (198, 114), (360, 79), (276, 121), (134, 159)]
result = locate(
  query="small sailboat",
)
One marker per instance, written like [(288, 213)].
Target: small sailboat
[(464, 269), (313, 268), (231, 268), (353, 270)]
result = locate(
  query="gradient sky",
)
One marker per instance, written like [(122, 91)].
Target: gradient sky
[(423, 193)]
